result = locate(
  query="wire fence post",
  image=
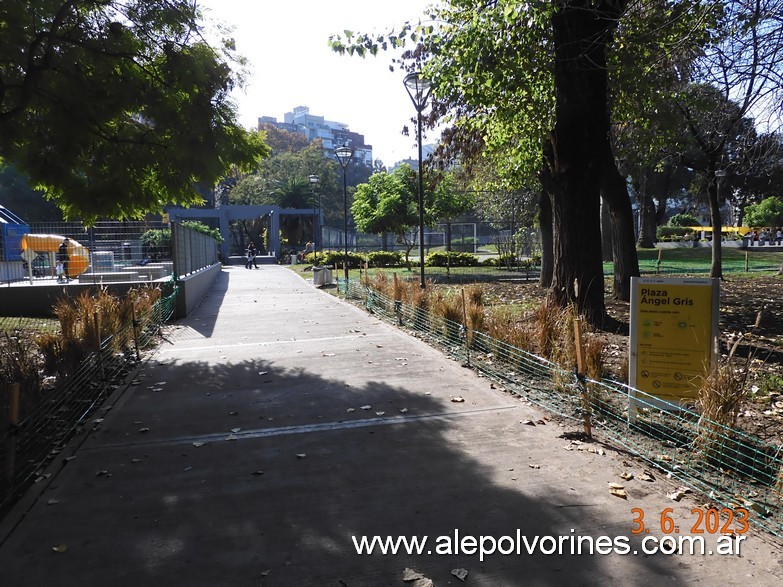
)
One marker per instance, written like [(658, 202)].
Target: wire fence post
[(97, 324), (580, 376), (135, 324), (465, 328), (13, 431)]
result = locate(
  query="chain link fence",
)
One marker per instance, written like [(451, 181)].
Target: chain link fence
[(114, 247), (40, 419), (727, 466)]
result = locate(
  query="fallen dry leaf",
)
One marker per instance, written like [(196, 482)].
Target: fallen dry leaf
[(616, 486), (301, 455), (619, 493), (460, 574), (457, 399), (626, 475)]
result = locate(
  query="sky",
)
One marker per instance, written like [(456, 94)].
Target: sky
[(292, 65)]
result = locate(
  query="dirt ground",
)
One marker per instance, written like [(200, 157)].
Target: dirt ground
[(750, 309)]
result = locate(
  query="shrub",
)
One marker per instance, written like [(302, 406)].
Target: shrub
[(669, 233), (197, 226), (385, 259), (683, 220), (159, 237), (453, 258), (335, 259)]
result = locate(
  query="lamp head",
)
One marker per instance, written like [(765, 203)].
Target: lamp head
[(343, 155), (418, 89)]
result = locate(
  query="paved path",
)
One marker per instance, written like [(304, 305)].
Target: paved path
[(244, 456)]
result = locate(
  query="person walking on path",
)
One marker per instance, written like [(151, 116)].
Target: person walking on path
[(251, 256), (63, 258)]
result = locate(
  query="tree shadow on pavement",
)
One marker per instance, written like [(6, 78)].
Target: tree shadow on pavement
[(246, 474)]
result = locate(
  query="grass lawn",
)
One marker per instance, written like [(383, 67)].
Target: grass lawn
[(694, 261), (697, 260)]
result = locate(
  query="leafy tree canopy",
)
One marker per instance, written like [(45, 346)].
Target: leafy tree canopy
[(387, 202), (29, 204), (767, 213), (117, 108)]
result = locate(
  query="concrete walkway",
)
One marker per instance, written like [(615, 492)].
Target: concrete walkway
[(277, 422)]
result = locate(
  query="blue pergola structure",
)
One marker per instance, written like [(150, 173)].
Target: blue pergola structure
[(226, 213)]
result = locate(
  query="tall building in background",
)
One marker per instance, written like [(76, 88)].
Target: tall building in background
[(333, 134)]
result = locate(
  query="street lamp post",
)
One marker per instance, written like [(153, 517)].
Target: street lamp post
[(419, 90), (316, 219), (344, 155)]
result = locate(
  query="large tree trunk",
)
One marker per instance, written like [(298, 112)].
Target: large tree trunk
[(647, 224), (615, 196), (545, 222), (572, 173), (606, 232)]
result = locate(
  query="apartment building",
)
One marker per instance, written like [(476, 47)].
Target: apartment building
[(333, 134)]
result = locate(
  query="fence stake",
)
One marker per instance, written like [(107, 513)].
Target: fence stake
[(397, 299), (465, 326), (746, 261), (135, 324), (97, 323), (660, 254), (580, 376), (13, 430)]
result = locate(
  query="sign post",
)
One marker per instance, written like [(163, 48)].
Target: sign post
[(673, 339)]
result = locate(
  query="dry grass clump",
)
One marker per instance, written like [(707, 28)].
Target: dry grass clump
[(594, 357), (88, 321), (551, 322), (720, 398), (448, 308), (547, 332), (19, 365), (509, 326)]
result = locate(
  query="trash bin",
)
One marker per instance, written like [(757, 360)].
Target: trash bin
[(318, 276), (293, 259)]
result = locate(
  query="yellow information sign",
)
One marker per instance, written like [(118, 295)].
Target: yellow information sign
[(673, 336)]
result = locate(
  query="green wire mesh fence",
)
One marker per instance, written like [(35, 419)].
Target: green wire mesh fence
[(49, 415), (727, 466)]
